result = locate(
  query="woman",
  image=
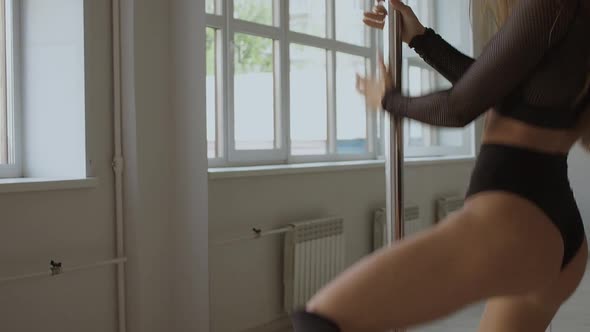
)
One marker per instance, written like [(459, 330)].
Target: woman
[(519, 240)]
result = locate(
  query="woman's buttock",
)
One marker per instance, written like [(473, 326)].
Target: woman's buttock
[(539, 178)]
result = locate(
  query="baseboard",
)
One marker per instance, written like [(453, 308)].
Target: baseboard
[(282, 324)]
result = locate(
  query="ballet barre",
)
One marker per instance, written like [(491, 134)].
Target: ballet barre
[(57, 268), (257, 234)]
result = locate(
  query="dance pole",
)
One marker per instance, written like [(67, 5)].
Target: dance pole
[(394, 141), (395, 145)]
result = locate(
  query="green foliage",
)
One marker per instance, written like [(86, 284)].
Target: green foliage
[(253, 54), (210, 51), (210, 6), (254, 11)]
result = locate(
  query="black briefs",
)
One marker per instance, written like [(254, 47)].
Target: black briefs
[(304, 321), (541, 178)]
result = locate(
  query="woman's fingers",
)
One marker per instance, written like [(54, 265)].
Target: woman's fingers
[(360, 84), (384, 70), (375, 16), (385, 73), (374, 24), (374, 19), (380, 8), (383, 67), (401, 7), (398, 5)]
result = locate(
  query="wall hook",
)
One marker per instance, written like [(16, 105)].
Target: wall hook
[(56, 268)]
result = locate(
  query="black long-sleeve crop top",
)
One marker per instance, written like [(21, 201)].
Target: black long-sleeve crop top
[(534, 69)]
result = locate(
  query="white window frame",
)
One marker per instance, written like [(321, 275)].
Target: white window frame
[(431, 148), (223, 21), (227, 155), (13, 168)]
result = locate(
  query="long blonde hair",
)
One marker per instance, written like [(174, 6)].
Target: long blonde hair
[(490, 15), (501, 9)]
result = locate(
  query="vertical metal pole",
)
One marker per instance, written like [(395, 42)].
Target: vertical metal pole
[(394, 141), (395, 146)]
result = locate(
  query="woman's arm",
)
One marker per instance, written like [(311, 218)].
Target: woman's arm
[(441, 55), (507, 60)]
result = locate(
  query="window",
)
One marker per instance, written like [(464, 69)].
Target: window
[(43, 119), (280, 82), (8, 134), (419, 78)]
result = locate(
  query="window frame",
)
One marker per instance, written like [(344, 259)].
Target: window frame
[(11, 48), (226, 26), (432, 150)]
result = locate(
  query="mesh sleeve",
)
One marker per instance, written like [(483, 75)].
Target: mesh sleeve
[(441, 55), (513, 53)]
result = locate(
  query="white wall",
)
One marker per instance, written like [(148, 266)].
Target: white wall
[(246, 277), (579, 165), (166, 165), (165, 188), (74, 226), (147, 150), (190, 231)]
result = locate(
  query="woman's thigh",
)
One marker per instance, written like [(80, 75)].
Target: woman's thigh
[(534, 311), (498, 245)]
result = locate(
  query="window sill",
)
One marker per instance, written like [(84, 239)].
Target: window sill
[(289, 169), (16, 185), (431, 161)]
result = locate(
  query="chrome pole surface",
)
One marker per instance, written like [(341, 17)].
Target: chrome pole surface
[(395, 146)]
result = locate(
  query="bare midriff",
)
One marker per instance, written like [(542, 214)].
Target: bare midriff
[(500, 129)]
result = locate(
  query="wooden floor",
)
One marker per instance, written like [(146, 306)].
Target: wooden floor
[(574, 315)]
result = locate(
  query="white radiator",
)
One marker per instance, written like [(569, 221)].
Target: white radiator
[(447, 205), (412, 224), (379, 228), (314, 255)]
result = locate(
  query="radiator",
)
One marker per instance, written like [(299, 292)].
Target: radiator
[(447, 205), (412, 224), (379, 228), (314, 255)]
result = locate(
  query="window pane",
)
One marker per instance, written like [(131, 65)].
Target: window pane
[(3, 131), (349, 21), (415, 87), (309, 103), (3, 90), (211, 94), (450, 137), (210, 6), (380, 142), (254, 115), (351, 115), (308, 16), (257, 11), (3, 117), (416, 133)]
